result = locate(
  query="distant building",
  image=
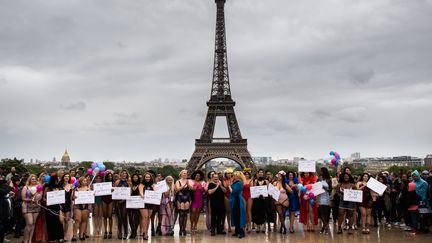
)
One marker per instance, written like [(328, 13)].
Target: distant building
[(65, 160), (262, 160), (428, 160), (355, 155), (375, 165)]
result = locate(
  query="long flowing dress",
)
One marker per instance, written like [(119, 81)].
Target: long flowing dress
[(167, 213), (304, 204), (54, 226), (237, 205), (261, 210)]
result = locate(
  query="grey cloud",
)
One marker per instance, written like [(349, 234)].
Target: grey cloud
[(306, 76), (79, 106), (361, 75), (3, 80)]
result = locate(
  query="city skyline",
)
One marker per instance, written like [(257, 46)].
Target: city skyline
[(346, 76)]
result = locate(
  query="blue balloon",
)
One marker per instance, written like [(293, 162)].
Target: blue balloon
[(331, 153), (101, 167), (311, 201), (47, 178), (303, 189), (299, 186)]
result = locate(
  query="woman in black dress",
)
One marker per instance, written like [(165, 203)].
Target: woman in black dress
[(133, 213), (146, 212), (66, 208), (217, 197), (55, 228), (260, 211)]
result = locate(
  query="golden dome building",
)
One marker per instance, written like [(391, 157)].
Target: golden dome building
[(65, 160)]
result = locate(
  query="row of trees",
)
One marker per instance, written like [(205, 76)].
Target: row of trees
[(166, 170)]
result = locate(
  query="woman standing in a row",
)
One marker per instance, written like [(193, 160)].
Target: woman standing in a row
[(30, 208), (146, 212), (237, 204)]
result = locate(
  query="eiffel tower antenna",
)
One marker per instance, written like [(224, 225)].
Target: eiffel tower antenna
[(221, 104)]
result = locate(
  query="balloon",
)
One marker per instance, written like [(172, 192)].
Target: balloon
[(72, 180), (33, 189), (311, 195), (95, 171), (89, 171), (102, 167), (101, 173), (94, 165), (39, 188), (300, 186), (76, 183), (303, 189), (311, 201), (333, 161), (47, 178), (331, 153), (309, 187)]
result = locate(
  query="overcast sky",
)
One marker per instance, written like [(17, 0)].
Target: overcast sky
[(129, 80)]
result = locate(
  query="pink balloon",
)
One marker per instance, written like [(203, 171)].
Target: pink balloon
[(333, 161), (73, 179), (39, 188), (101, 173), (311, 195), (90, 171)]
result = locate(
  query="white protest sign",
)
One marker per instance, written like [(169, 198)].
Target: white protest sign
[(161, 186), (317, 188), (84, 197), (56, 197), (102, 189), (306, 166), (256, 191), (273, 192), (121, 193), (135, 202), (152, 197), (376, 186), (353, 195)]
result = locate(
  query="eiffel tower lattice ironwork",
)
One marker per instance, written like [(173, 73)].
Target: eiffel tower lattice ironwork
[(220, 104)]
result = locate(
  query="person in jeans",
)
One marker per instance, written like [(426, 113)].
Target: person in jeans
[(324, 201)]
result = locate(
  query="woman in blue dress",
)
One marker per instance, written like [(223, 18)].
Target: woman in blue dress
[(293, 197), (237, 204)]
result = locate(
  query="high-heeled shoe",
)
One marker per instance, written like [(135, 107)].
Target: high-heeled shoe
[(105, 235), (109, 235)]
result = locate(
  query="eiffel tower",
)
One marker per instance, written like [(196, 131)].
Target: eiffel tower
[(220, 104)]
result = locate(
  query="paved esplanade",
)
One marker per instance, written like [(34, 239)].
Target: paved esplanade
[(380, 234)]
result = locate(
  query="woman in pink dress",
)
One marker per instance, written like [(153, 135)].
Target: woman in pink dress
[(199, 188)]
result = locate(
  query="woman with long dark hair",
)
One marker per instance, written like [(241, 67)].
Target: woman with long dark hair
[(366, 204), (227, 181), (248, 200), (237, 204), (107, 208), (293, 198), (282, 203), (198, 189), (133, 213), (66, 208), (207, 207), (54, 226), (146, 212), (81, 211), (122, 224), (346, 208), (183, 187), (97, 210), (324, 201)]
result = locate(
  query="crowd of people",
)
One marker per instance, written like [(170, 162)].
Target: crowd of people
[(224, 197)]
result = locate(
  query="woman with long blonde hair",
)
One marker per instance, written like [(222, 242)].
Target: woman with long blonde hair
[(166, 209), (31, 195), (237, 204)]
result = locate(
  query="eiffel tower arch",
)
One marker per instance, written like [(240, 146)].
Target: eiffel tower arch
[(221, 104)]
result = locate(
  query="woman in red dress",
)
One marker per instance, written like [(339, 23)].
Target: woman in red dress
[(308, 211), (248, 200)]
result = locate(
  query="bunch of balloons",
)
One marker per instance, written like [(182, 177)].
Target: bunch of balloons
[(304, 189), (335, 160), (97, 169)]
